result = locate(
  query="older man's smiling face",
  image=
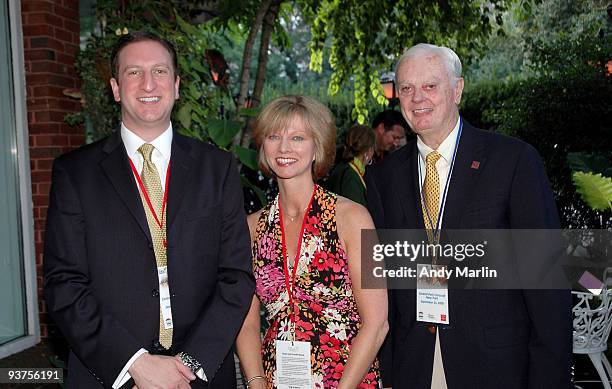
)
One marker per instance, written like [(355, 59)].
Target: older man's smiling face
[(428, 97)]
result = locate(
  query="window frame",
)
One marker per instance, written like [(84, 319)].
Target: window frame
[(32, 335)]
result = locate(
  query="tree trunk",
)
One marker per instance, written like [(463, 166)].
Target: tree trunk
[(262, 63), (248, 52)]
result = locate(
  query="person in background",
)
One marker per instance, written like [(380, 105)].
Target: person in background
[(346, 179), (390, 129), (306, 258)]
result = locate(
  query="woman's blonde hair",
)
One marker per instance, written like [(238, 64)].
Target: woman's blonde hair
[(317, 119)]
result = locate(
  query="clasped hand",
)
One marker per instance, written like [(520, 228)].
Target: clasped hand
[(160, 372)]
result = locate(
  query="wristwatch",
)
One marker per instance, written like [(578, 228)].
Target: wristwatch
[(189, 361)]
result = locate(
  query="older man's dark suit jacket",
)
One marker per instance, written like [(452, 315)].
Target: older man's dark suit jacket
[(497, 338), (101, 283)]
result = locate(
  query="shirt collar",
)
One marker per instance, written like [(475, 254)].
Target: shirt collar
[(132, 142), (446, 148), (358, 165)]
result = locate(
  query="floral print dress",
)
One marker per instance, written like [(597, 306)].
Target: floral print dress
[(325, 310)]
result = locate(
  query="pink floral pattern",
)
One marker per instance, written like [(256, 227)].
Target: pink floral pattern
[(327, 314)]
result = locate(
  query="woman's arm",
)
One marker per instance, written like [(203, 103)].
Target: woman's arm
[(371, 303), (248, 342), (248, 347)]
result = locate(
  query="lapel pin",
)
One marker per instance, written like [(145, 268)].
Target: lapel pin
[(475, 165)]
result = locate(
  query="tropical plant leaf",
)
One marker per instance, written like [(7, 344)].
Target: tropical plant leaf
[(222, 132), (595, 189), (260, 193), (591, 162), (250, 112), (198, 66), (184, 115), (248, 157), (188, 28)]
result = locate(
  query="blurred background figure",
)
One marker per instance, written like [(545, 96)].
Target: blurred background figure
[(390, 129), (346, 179)]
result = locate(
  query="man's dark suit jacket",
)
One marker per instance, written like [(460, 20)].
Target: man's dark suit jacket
[(101, 283), (497, 338)]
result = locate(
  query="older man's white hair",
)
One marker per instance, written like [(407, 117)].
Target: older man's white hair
[(449, 58)]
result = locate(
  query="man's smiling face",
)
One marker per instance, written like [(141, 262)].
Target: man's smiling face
[(146, 86)]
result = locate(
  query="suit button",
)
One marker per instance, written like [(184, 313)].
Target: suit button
[(150, 246), (155, 293)]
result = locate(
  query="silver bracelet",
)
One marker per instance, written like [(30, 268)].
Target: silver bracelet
[(257, 377)]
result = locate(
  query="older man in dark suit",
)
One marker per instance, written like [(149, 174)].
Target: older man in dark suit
[(147, 259), (454, 176)]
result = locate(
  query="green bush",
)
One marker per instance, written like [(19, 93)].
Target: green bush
[(563, 106)]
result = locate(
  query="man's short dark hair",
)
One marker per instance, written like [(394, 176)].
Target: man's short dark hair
[(390, 118), (140, 36)]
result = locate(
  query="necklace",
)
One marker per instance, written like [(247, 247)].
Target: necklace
[(292, 218)]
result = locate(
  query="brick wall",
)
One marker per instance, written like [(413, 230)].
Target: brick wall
[(51, 42)]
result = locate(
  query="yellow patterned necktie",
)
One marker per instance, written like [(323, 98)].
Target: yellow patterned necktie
[(152, 183), (431, 192)]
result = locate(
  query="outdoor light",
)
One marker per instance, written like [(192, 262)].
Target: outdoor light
[(388, 84), (388, 87)]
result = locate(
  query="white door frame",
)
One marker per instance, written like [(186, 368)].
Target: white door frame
[(32, 336)]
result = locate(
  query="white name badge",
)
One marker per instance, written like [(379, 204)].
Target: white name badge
[(164, 296), (431, 295), (293, 365)]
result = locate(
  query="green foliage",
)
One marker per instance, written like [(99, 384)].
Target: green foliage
[(222, 132), (248, 157), (100, 113), (366, 37), (508, 51), (591, 162), (596, 190), (200, 110), (483, 103), (199, 99), (341, 105), (563, 104)]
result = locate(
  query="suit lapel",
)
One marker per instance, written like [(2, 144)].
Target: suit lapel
[(181, 165), (117, 169), (469, 162)]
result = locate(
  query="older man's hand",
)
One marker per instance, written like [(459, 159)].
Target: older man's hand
[(160, 372)]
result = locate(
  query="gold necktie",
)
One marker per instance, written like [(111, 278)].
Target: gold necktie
[(431, 191), (152, 183)]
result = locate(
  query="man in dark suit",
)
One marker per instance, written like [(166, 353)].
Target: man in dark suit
[(147, 255), (495, 338)]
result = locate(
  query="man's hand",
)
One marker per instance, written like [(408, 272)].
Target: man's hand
[(160, 372)]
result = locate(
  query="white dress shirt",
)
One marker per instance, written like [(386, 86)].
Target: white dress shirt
[(160, 158), (447, 151)]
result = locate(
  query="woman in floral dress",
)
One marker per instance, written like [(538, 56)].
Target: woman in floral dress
[(306, 261)]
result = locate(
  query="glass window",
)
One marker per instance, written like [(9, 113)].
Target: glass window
[(13, 321)]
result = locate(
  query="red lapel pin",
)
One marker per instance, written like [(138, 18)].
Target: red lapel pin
[(475, 165)]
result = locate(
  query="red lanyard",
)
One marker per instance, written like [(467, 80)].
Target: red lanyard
[(291, 286), (159, 221)]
